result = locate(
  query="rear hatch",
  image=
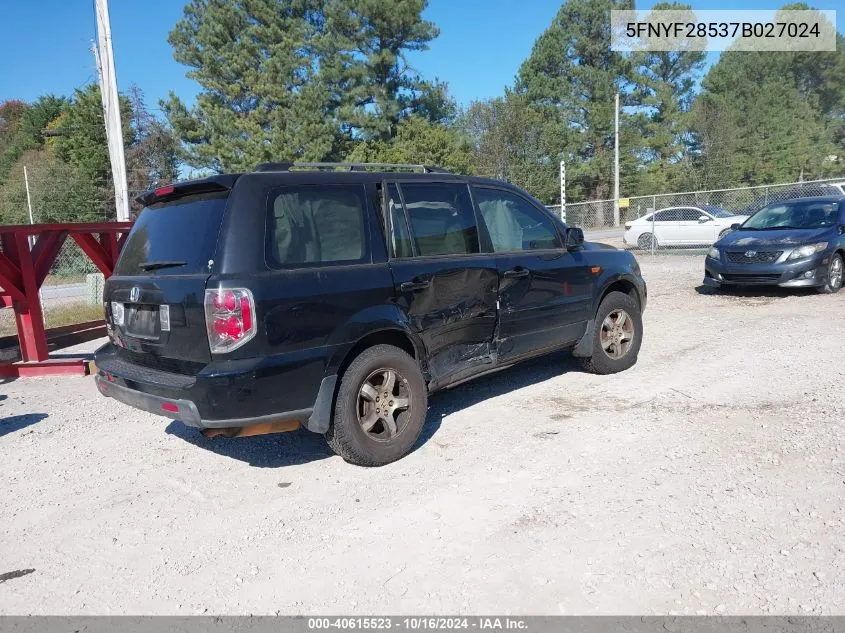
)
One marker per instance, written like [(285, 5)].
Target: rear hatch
[(154, 300)]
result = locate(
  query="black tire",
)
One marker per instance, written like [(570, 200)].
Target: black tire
[(833, 283), (346, 435), (601, 362), (645, 241)]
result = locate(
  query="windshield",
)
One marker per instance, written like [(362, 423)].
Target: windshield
[(797, 214), (177, 237)]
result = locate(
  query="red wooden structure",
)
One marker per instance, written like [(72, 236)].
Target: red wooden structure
[(23, 270)]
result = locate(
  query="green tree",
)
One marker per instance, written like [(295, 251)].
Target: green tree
[(665, 83), (80, 137), (298, 79), (153, 156), (570, 79), (420, 142), (262, 98), (363, 53), (59, 192), (771, 116), (507, 137), (38, 116), (11, 136)]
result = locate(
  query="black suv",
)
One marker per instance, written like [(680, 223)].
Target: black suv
[(338, 297)]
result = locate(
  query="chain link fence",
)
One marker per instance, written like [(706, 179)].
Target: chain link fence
[(686, 222)]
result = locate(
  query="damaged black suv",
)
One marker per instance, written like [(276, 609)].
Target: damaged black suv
[(337, 298)]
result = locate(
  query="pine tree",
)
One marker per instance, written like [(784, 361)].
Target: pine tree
[(570, 80), (664, 92), (767, 117)]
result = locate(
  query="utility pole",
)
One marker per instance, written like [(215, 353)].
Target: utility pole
[(104, 56), (563, 190), (616, 164)]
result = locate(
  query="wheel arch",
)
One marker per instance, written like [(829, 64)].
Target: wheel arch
[(622, 284)]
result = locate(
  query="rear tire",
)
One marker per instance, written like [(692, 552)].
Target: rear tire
[(380, 408), (616, 338), (834, 275), (646, 240)]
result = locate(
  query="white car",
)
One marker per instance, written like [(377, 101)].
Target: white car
[(680, 226)]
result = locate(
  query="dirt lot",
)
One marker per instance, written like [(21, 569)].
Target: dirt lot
[(708, 479)]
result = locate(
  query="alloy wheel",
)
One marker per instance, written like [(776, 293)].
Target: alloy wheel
[(617, 334), (384, 402)]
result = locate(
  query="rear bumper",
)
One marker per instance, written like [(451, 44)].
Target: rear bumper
[(806, 273), (227, 394), (184, 410)]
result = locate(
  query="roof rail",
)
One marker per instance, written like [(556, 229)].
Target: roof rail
[(425, 169)]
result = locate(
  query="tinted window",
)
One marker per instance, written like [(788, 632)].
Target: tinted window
[(311, 225), (184, 230), (670, 215), (441, 217), (400, 240), (692, 215), (513, 223)]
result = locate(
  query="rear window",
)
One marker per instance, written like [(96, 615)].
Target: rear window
[(316, 225), (181, 232), (442, 219)]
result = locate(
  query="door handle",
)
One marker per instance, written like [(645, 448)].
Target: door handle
[(411, 286), (516, 272)]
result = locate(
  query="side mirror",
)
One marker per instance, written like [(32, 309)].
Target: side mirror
[(703, 219), (735, 226), (574, 239)]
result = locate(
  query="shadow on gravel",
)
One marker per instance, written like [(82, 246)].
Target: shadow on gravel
[(261, 451), (302, 447), (772, 292), (17, 422)]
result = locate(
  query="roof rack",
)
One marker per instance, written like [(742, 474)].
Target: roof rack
[(424, 169)]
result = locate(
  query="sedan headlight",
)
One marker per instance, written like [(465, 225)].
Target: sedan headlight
[(713, 253), (806, 251)]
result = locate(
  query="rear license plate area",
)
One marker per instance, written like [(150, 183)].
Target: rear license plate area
[(142, 321)]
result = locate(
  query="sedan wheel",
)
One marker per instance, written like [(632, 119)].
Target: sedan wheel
[(834, 275), (647, 242)]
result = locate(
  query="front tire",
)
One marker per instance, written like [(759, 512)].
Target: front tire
[(380, 408), (617, 335), (834, 275)]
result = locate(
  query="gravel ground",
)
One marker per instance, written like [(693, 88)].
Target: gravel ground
[(707, 479)]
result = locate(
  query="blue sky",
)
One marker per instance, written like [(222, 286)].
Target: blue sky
[(480, 48)]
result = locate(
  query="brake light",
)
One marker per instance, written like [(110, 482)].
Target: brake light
[(229, 318), (160, 192)]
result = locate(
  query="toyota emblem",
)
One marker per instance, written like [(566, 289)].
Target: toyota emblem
[(750, 254), (134, 294)]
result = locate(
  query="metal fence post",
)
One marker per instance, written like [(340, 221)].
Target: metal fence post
[(653, 233)]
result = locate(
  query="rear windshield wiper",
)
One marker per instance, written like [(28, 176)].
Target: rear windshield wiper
[(158, 265)]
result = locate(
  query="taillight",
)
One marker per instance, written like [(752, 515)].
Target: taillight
[(229, 318)]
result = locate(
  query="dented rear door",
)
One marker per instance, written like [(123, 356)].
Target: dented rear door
[(444, 284)]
